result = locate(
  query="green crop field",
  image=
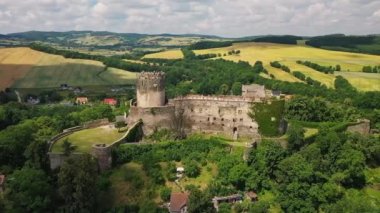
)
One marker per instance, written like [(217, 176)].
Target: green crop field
[(289, 54), (26, 68), (84, 139)]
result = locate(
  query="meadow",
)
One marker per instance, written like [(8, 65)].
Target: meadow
[(289, 54), (26, 68)]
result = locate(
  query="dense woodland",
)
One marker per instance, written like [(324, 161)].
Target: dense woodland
[(327, 172), (361, 44)]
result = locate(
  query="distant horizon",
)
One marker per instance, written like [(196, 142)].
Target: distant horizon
[(225, 18), (184, 34)]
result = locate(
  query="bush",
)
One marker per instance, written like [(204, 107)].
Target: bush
[(165, 194), (192, 169)]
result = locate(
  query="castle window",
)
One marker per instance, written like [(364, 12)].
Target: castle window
[(250, 127), (222, 124), (222, 119), (234, 120), (208, 119), (214, 118), (241, 119), (192, 109)]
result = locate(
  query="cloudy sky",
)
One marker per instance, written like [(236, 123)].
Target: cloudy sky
[(233, 18)]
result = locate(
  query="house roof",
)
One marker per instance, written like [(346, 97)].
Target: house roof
[(251, 194), (82, 98), (110, 101), (177, 201), (2, 179), (252, 87)]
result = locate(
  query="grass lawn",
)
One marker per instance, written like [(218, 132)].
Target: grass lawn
[(310, 132), (83, 140)]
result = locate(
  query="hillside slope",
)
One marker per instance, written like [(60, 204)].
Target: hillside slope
[(289, 54), (26, 68)]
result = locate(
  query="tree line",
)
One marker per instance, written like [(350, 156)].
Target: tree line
[(320, 68)]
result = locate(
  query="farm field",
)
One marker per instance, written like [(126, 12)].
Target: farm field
[(27, 68), (84, 139), (362, 81), (169, 54), (289, 54)]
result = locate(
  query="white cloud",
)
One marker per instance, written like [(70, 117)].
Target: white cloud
[(221, 17)]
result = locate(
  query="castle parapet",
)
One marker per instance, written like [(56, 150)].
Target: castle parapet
[(228, 98)]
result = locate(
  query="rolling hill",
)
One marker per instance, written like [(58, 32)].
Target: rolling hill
[(26, 68), (289, 54)]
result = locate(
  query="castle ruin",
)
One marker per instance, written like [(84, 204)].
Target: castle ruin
[(226, 115)]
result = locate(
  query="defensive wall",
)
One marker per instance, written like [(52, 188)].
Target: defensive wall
[(101, 152)]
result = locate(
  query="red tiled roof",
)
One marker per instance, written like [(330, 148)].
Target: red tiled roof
[(178, 201), (111, 101)]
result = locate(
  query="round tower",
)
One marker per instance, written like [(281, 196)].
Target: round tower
[(150, 89)]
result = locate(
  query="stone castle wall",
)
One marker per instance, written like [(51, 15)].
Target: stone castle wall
[(150, 89), (154, 118), (216, 114)]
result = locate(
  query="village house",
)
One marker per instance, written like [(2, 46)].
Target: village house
[(81, 100), (178, 202), (110, 101), (226, 199)]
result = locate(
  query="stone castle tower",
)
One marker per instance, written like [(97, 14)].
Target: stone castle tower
[(150, 91)]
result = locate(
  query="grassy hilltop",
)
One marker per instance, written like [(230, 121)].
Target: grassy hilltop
[(350, 63)]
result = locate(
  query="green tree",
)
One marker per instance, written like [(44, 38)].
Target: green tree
[(224, 89), (236, 88), (199, 202), (165, 194), (192, 169), (28, 190), (68, 148), (77, 183), (295, 137)]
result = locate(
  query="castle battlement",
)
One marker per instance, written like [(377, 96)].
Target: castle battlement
[(151, 75), (223, 98)]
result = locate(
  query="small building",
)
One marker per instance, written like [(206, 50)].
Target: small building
[(81, 100), (253, 91), (178, 202), (226, 199), (180, 171), (2, 182), (64, 86), (110, 101), (78, 90), (252, 196), (33, 100)]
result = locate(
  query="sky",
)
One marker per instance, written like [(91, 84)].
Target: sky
[(229, 18)]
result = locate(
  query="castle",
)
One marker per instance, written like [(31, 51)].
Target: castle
[(227, 115)]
